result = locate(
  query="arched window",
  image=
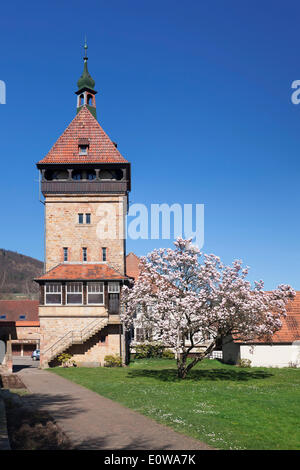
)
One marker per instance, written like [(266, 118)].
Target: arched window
[(118, 174), (90, 100), (60, 175), (106, 175), (49, 175), (81, 100)]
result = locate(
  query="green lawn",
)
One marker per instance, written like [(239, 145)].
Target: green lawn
[(225, 406)]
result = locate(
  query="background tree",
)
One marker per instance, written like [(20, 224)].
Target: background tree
[(197, 300)]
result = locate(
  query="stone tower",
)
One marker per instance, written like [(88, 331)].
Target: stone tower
[(85, 183)]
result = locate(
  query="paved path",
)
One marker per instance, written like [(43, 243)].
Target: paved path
[(94, 422)]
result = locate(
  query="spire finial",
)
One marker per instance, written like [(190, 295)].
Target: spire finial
[(85, 48), (86, 92)]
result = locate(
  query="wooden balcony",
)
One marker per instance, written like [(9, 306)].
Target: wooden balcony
[(80, 187)]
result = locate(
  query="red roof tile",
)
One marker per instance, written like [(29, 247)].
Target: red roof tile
[(12, 309), (81, 272), (290, 330), (84, 127)]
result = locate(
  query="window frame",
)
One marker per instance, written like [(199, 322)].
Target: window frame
[(84, 254), (65, 254), (83, 149), (89, 284), (104, 248), (47, 284), (72, 283), (113, 283), (142, 334)]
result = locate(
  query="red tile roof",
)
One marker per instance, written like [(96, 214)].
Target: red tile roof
[(132, 266), (81, 272), (12, 309), (290, 330), (84, 127)]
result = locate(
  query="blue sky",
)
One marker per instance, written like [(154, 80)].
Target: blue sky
[(198, 96)]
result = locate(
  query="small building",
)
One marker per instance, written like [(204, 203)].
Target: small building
[(282, 351), (19, 320)]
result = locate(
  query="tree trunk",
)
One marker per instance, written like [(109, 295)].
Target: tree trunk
[(181, 365), (183, 368)]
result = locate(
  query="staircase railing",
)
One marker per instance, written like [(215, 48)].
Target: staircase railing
[(74, 336)]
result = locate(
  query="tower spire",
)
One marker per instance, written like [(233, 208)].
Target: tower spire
[(85, 48), (86, 93)]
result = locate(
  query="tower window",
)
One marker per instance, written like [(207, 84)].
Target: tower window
[(83, 149), (53, 294), (104, 254), (84, 254), (65, 254), (74, 293), (87, 218), (80, 218), (95, 293)]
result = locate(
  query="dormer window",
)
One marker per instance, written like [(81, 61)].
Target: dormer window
[(83, 149), (83, 146)]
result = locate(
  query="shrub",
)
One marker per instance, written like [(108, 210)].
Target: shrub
[(168, 354), (65, 360), (244, 363), (293, 365), (112, 361), (148, 350)]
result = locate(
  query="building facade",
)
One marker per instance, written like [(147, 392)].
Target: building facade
[(282, 351), (19, 323), (85, 183)]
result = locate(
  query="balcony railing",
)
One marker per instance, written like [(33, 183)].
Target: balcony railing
[(58, 187)]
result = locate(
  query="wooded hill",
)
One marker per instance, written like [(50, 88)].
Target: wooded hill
[(16, 274)]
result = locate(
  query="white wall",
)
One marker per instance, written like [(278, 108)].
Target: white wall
[(271, 355)]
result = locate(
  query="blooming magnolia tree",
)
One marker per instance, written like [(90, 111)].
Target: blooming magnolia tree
[(196, 301)]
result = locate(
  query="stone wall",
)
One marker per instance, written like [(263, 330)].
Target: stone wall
[(105, 230), (91, 352)]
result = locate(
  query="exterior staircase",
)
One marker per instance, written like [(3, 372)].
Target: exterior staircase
[(74, 337)]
